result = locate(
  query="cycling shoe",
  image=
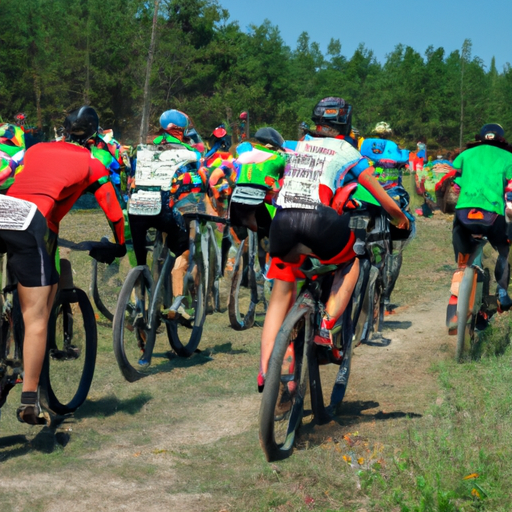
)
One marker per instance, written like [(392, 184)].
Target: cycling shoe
[(30, 411)]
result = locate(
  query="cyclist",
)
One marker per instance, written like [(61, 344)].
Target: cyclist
[(310, 219), (12, 151), (484, 208), (259, 168), (389, 161), (175, 176), (55, 175)]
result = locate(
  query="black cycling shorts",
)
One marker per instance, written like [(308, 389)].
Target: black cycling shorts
[(27, 255), (323, 230), (166, 222)]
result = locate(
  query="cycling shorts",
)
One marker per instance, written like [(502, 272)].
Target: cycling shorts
[(245, 215), (323, 230), (27, 255), (491, 225), (167, 221)]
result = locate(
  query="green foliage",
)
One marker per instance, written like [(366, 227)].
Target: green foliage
[(67, 53)]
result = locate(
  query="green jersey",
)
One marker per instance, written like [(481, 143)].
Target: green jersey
[(486, 170)]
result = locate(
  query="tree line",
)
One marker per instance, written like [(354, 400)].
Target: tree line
[(117, 56)]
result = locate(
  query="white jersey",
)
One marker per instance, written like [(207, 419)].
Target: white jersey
[(157, 168), (153, 174), (315, 162)]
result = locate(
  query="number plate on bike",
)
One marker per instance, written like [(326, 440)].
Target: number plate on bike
[(145, 202)]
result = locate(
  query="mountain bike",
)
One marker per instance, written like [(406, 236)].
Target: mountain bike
[(374, 235), (296, 359), (70, 358), (475, 303), (146, 302), (249, 288)]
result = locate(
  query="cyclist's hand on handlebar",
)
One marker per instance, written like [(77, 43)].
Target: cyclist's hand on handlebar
[(107, 252)]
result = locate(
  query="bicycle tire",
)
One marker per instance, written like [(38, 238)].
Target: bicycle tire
[(465, 317), (11, 343), (102, 308), (241, 315), (185, 334), (214, 259), (183, 338), (277, 430), (130, 327), (70, 357)]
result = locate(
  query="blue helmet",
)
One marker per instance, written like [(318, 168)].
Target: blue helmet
[(174, 120)]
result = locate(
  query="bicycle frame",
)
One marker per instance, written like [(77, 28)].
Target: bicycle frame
[(161, 289)]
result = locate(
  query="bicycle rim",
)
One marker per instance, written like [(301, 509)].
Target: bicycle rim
[(184, 334), (284, 395), (130, 326), (71, 353), (465, 318), (215, 272), (243, 295)]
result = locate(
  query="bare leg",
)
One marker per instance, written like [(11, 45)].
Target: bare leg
[(36, 305), (281, 300), (341, 290), (178, 273)]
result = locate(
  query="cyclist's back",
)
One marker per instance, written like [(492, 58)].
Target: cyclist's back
[(484, 174), (54, 176), (156, 186), (311, 219), (62, 173), (260, 166)]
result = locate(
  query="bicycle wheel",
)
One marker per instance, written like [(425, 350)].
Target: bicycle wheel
[(131, 325), (243, 300), (71, 352), (215, 272), (282, 404), (185, 330), (11, 344), (465, 317)]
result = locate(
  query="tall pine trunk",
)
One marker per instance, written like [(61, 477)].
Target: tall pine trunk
[(144, 124)]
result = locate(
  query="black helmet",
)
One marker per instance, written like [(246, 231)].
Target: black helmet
[(333, 112), (270, 136), (492, 131), (81, 124)]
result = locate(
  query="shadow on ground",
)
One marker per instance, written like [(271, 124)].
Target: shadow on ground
[(46, 441), (394, 325), (348, 414), (110, 405)]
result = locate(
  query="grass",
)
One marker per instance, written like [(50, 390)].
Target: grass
[(186, 437), (459, 457)]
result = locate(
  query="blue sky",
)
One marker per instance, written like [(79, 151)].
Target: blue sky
[(382, 24)]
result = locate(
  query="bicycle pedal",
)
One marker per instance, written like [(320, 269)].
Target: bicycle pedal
[(70, 353)]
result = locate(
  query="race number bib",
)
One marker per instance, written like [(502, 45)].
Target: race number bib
[(315, 162), (145, 202), (16, 214), (157, 167)]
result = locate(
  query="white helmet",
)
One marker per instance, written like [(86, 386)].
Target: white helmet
[(382, 128)]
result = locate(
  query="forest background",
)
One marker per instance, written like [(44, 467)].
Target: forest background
[(60, 54)]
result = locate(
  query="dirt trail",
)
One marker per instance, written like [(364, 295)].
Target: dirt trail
[(133, 465), (391, 378)]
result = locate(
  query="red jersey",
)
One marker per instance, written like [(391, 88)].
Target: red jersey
[(56, 174)]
